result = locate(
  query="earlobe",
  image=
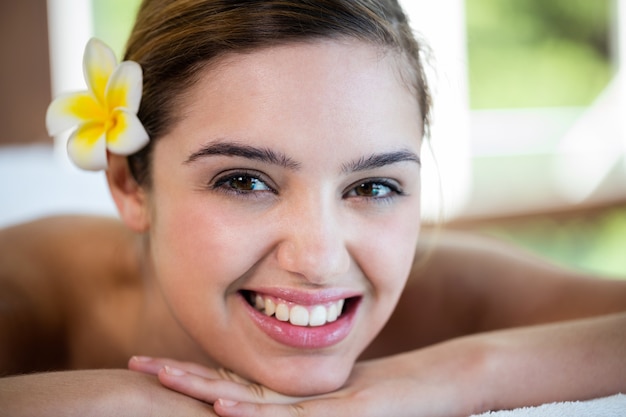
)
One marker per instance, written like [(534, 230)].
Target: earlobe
[(130, 198)]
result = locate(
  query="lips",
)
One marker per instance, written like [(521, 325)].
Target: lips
[(309, 323)]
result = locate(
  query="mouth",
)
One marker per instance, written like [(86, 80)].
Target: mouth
[(313, 325), (297, 314)]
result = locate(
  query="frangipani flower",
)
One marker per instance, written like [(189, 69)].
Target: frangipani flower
[(106, 114)]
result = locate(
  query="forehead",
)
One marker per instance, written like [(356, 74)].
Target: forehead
[(324, 89)]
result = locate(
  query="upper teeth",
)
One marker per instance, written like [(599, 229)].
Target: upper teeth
[(299, 315)]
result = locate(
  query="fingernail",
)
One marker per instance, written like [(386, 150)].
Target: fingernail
[(174, 371), (227, 403), (142, 358)]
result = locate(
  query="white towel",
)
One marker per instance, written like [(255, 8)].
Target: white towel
[(613, 406)]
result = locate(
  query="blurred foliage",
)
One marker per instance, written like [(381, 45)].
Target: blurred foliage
[(537, 53), (592, 241), (542, 53), (113, 21)]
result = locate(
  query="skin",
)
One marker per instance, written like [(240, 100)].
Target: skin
[(304, 226), (445, 362), (149, 290)]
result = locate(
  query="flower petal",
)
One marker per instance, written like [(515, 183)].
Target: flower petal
[(70, 110), (86, 147), (99, 62), (125, 86), (126, 134)]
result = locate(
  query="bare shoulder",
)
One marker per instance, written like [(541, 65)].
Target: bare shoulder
[(463, 283), (53, 228), (505, 286), (63, 248), (53, 271)]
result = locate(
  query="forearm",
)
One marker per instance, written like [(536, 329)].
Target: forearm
[(93, 393), (565, 361), (76, 393)]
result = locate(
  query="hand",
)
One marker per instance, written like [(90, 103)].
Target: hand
[(206, 384), (425, 382), (386, 387)]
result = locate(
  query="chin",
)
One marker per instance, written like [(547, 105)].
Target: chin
[(306, 381)]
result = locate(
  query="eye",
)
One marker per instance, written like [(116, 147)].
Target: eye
[(374, 189), (241, 183), (371, 189), (246, 183)]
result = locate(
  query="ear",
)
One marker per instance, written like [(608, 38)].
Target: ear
[(130, 198)]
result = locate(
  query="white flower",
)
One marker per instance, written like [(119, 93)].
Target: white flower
[(106, 114)]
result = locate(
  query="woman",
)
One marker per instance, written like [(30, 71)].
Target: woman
[(271, 224)]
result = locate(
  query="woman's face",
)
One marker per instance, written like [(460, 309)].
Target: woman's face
[(285, 210)]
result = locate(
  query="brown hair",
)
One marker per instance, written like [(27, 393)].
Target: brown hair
[(173, 40)]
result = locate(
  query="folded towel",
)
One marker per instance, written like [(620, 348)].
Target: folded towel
[(613, 406)]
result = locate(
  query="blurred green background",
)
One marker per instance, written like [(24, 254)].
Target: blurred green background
[(538, 53), (548, 53), (593, 241), (113, 20), (522, 53)]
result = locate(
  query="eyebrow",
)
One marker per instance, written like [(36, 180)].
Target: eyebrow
[(380, 160), (269, 156), (265, 155)]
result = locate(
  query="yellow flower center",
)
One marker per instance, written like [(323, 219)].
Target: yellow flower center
[(111, 123)]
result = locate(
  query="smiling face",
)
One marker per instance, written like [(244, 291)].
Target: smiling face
[(285, 209)]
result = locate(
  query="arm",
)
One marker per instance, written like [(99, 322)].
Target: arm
[(93, 393), (574, 360)]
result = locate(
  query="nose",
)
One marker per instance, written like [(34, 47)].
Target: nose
[(313, 243)]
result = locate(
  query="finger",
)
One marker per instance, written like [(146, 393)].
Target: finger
[(326, 407), (225, 385), (144, 364), (152, 366), (230, 408), (209, 390)]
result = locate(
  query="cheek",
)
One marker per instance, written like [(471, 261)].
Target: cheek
[(389, 255), (195, 248), (200, 251), (204, 244)]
